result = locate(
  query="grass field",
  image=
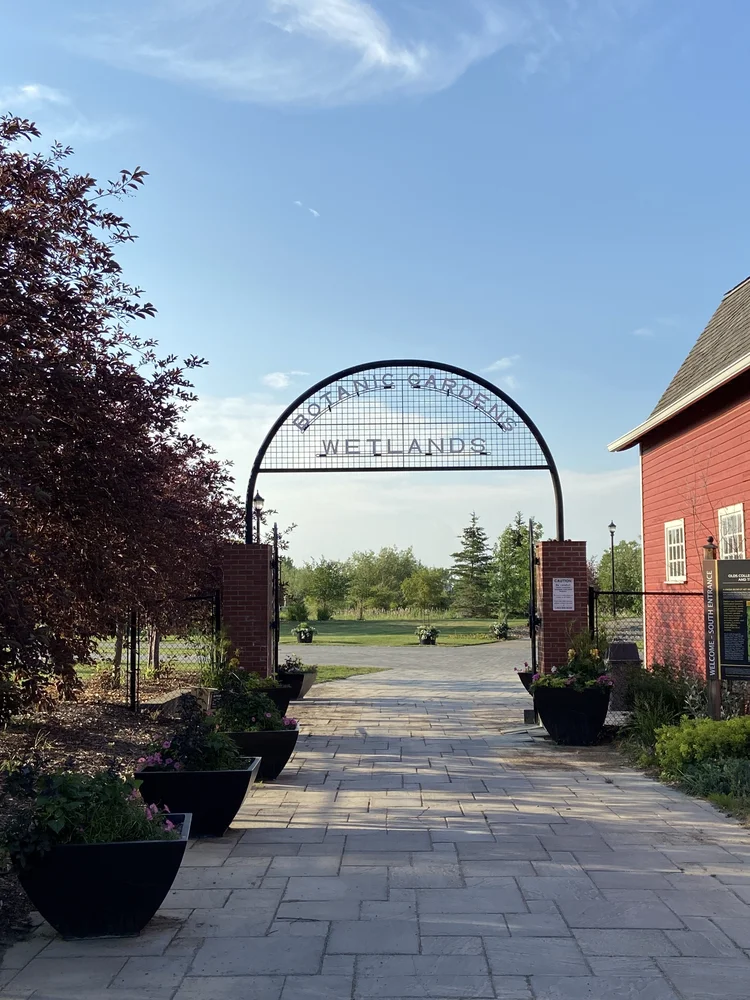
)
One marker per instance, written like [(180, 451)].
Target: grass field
[(395, 631), (335, 673)]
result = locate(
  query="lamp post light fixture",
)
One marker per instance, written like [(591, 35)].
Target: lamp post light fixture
[(612, 528), (258, 502)]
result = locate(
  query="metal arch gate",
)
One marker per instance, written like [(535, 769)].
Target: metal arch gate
[(449, 419)]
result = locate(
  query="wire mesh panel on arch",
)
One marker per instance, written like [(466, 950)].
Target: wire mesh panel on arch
[(395, 416)]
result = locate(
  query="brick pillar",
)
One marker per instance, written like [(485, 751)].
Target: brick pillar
[(561, 561), (247, 604)]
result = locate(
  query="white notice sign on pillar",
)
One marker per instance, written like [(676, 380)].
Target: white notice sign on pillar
[(563, 594)]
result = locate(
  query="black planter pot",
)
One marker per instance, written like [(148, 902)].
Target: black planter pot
[(280, 696), (292, 679), (274, 748), (300, 683), (574, 718), (525, 678), (304, 638), (308, 679), (213, 797), (104, 890), (427, 640)]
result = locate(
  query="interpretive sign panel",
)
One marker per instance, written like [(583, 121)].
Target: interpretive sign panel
[(563, 594), (733, 623)]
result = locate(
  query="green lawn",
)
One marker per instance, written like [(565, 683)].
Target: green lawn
[(395, 631), (334, 673)]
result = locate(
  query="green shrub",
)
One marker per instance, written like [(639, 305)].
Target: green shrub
[(660, 697), (718, 778), (323, 615), (697, 740), (41, 810), (296, 610)]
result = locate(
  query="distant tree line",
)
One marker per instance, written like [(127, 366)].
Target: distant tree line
[(483, 580)]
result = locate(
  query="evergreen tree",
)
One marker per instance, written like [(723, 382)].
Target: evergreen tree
[(472, 572), (511, 567)]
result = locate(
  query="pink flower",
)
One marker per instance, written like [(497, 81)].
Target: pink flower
[(169, 825), (166, 808), (526, 665), (141, 760)]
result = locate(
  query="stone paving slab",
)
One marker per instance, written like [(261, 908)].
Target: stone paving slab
[(423, 844)]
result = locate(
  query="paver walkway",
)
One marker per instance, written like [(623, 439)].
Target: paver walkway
[(416, 847)]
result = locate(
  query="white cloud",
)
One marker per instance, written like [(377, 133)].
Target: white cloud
[(56, 114), (334, 52), (643, 331), (313, 212), (280, 380), (298, 203), (502, 364), (339, 513), (30, 97)]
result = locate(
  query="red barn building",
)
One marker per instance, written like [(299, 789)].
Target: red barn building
[(695, 478)]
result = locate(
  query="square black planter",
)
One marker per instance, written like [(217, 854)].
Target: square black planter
[(300, 683), (572, 718), (214, 797), (104, 890), (274, 747), (280, 696)]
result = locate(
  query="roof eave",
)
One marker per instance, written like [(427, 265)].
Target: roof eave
[(657, 419)]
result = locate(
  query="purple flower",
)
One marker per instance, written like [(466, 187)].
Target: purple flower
[(167, 744), (535, 677), (268, 715)]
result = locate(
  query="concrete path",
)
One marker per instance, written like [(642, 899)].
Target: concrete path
[(419, 847)]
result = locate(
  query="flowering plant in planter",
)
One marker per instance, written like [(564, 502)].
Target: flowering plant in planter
[(427, 632), (63, 807), (76, 841), (499, 630), (304, 632), (195, 745), (585, 669), (244, 710), (294, 665)]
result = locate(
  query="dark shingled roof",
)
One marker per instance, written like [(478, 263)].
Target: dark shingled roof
[(725, 340)]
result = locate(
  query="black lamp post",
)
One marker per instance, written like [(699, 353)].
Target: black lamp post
[(258, 502), (612, 528)]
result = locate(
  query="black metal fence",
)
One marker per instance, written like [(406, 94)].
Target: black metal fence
[(667, 626), (159, 650)]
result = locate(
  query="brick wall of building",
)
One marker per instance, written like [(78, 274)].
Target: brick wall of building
[(691, 467)]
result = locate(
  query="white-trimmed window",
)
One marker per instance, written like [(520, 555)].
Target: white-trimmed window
[(674, 547), (732, 532)]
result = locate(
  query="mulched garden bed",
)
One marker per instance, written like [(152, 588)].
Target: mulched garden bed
[(86, 735)]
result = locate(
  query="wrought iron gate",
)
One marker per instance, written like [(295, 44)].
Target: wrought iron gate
[(534, 620), (275, 599)]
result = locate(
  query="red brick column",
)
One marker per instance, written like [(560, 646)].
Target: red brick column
[(560, 561), (247, 604)]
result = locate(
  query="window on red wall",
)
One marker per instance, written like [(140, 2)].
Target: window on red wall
[(732, 532), (674, 549)]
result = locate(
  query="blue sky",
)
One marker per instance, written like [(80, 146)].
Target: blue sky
[(557, 182)]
